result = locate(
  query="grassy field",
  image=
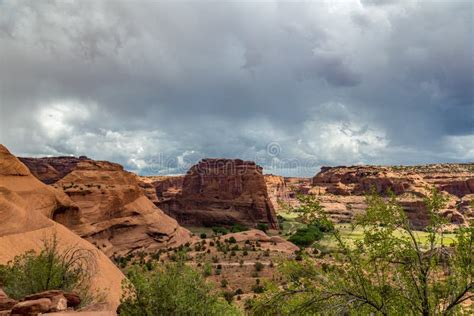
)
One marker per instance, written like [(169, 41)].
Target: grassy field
[(349, 234)]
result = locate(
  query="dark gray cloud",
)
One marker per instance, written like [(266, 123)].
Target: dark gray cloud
[(293, 85)]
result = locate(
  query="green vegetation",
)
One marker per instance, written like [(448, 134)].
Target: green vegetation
[(262, 226), (171, 289), (312, 228), (237, 228), (259, 266), (306, 236), (68, 269), (220, 230), (389, 270)]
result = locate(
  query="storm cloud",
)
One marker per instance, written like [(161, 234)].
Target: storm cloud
[(293, 85)]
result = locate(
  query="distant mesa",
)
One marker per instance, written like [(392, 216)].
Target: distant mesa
[(342, 189)]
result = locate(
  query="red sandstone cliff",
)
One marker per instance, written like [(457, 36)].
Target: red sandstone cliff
[(29, 210), (115, 213), (218, 192), (341, 190)]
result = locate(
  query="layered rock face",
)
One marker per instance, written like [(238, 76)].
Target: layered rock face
[(51, 169), (284, 190), (342, 190), (218, 192), (115, 213), (161, 188), (28, 209)]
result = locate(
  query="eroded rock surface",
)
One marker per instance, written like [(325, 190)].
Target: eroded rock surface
[(341, 190), (218, 192), (115, 213), (272, 243), (28, 209)]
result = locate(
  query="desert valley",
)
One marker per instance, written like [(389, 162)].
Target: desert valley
[(231, 158), (232, 223)]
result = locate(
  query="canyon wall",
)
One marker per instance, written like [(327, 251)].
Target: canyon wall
[(341, 190), (29, 210), (115, 215)]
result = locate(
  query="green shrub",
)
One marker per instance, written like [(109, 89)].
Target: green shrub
[(229, 296), (259, 266), (70, 269), (171, 289), (305, 237), (237, 228), (262, 226), (220, 230), (257, 287), (203, 235)]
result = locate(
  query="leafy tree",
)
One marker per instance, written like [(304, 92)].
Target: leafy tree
[(306, 236), (171, 289), (311, 214), (52, 268), (309, 209), (391, 271)]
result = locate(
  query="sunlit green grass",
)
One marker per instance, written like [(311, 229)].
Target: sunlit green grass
[(349, 235)]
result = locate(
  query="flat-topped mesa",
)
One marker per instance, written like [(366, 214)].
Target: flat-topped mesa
[(115, 213), (222, 192), (358, 180), (342, 189)]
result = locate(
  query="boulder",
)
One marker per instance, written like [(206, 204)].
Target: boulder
[(60, 300), (58, 304), (32, 307), (73, 300), (6, 303)]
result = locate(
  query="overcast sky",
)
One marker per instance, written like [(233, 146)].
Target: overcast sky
[(156, 86)]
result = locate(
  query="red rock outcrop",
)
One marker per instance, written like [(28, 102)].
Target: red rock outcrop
[(409, 184), (273, 243), (161, 188), (219, 192), (341, 190), (27, 210), (115, 213), (51, 169), (284, 190)]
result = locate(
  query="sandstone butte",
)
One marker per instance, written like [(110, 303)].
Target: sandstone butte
[(115, 214), (342, 190), (28, 209), (215, 192)]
